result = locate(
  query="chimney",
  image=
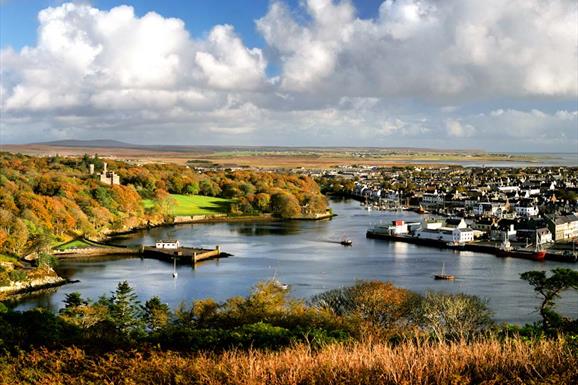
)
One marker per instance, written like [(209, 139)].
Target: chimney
[(91, 168)]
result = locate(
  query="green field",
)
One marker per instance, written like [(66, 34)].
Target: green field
[(78, 243), (195, 205)]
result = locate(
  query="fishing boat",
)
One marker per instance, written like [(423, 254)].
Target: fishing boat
[(536, 254), (443, 275)]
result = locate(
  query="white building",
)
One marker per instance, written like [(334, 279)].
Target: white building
[(447, 235), (526, 210), (170, 244), (489, 209)]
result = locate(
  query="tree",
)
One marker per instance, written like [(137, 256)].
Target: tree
[(454, 316), (285, 205), (550, 289), (156, 314), (126, 311), (380, 303), (72, 300)]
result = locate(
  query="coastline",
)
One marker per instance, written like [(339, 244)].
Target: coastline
[(105, 247), (108, 237), (32, 286)]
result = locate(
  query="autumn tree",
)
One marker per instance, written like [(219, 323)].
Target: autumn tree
[(285, 205)]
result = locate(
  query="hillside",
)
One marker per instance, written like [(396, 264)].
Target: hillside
[(48, 200)]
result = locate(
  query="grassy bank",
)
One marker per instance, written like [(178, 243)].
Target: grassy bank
[(490, 362), (195, 205)]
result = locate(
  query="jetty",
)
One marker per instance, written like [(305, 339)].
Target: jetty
[(172, 250)]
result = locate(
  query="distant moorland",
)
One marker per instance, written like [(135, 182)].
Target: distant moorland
[(263, 157)]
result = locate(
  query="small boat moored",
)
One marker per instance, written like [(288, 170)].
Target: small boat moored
[(443, 275)]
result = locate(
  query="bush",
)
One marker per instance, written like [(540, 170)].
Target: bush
[(380, 303), (454, 316)]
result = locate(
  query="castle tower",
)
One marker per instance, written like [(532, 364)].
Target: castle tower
[(91, 168), (104, 168)]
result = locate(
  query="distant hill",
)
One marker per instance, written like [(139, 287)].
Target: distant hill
[(109, 143), (89, 143)]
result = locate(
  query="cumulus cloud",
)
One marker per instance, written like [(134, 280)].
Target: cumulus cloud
[(420, 72), (429, 49), (114, 59)]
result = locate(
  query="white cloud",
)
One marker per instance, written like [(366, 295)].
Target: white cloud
[(113, 59), (427, 49), (230, 65), (420, 72)]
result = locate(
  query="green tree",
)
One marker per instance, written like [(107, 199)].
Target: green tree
[(126, 313), (72, 300), (550, 288), (156, 314)]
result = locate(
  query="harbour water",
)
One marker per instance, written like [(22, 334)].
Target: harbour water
[(306, 255)]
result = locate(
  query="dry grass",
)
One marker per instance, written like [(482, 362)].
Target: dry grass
[(489, 362)]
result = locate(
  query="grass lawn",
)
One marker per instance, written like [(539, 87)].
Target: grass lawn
[(78, 243), (195, 205)]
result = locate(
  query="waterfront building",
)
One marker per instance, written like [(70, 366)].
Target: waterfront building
[(167, 244), (446, 235), (563, 227)]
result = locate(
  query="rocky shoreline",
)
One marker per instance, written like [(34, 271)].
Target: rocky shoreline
[(32, 285)]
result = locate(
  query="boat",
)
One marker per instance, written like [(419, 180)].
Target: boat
[(534, 255), (506, 250), (175, 274), (443, 275), (346, 242), (278, 284)]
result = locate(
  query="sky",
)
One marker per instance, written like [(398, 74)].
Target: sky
[(493, 75)]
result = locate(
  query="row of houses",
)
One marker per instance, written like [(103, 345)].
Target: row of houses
[(460, 230)]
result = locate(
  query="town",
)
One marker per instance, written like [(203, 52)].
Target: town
[(521, 212)]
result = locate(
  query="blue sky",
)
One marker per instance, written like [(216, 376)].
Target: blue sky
[(501, 76)]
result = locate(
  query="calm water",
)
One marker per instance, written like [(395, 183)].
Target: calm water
[(307, 256)]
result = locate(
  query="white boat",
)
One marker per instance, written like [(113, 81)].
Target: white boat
[(279, 284)]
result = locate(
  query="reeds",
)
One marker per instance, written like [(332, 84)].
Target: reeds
[(513, 361)]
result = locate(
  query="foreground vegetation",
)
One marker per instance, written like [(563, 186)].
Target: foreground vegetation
[(370, 333), (512, 361)]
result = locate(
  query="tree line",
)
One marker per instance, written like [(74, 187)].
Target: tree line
[(269, 318)]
